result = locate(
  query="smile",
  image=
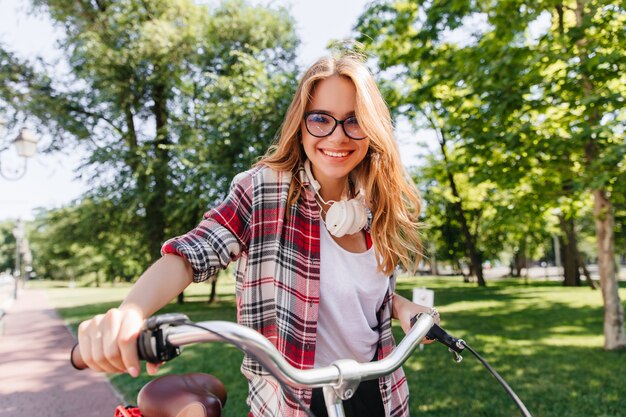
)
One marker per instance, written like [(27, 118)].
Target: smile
[(335, 154)]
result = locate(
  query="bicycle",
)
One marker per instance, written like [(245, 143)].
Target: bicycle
[(166, 334)]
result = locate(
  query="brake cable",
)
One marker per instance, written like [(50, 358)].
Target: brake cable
[(456, 346)]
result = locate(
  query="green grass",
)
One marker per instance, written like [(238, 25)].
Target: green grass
[(544, 339)]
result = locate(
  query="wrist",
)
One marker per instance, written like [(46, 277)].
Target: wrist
[(132, 308), (432, 311)]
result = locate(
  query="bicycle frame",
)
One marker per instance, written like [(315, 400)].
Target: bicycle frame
[(338, 381)]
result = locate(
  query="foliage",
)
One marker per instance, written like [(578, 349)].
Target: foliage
[(88, 238), (530, 95), (505, 222), (7, 246), (168, 98)]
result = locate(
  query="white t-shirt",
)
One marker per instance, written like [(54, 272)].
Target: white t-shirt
[(352, 290)]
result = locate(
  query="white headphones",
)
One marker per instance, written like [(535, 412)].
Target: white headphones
[(344, 217)]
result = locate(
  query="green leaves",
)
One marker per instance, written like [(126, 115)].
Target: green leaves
[(530, 96), (168, 98)]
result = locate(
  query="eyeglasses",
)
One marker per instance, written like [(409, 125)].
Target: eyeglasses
[(321, 125)]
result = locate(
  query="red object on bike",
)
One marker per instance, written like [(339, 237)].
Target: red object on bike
[(128, 411)]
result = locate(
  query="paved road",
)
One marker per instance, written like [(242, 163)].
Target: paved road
[(36, 378)]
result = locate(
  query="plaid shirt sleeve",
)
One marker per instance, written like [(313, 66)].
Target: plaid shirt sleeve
[(221, 236)]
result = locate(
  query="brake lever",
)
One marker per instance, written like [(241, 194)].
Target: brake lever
[(455, 346), (152, 344)]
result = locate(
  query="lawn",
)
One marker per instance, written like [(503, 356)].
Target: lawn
[(544, 339)]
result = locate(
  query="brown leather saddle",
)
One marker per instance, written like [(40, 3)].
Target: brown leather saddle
[(186, 395)]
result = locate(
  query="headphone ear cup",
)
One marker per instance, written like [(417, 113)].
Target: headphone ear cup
[(360, 214), (336, 219), (346, 217)]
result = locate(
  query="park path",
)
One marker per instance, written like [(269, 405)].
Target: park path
[(36, 378)]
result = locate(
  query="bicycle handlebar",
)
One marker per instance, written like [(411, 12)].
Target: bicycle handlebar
[(173, 331), (257, 346), (165, 334)]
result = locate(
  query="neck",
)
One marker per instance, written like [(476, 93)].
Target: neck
[(333, 189)]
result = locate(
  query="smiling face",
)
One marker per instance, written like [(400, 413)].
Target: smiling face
[(333, 157)]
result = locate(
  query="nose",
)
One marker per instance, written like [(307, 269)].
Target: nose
[(338, 135)]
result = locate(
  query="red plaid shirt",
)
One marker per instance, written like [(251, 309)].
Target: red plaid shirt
[(277, 275)]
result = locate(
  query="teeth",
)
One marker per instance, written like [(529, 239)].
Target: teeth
[(335, 154)]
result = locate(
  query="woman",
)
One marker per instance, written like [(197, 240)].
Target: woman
[(318, 227)]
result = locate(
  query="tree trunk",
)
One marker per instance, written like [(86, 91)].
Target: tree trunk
[(476, 266), (519, 261), (458, 269), (434, 268), (614, 336), (581, 264), (571, 275), (155, 215), (213, 288)]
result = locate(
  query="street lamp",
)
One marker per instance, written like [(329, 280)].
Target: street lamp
[(26, 146), (18, 233)]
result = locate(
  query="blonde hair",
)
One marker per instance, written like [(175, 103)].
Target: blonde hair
[(391, 194)]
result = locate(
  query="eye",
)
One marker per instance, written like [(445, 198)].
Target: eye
[(351, 121), (319, 118)]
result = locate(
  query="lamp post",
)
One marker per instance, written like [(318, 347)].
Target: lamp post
[(18, 233), (26, 146)]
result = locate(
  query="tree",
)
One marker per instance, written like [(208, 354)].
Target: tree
[(85, 239), (7, 245), (520, 96), (503, 220), (168, 98)]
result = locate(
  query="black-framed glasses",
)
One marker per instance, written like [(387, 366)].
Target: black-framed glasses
[(320, 125)]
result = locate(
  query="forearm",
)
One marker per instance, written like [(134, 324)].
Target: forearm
[(156, 287), (403, 310)]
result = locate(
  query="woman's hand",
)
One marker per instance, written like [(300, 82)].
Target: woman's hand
[(108, 342), (404, 310)]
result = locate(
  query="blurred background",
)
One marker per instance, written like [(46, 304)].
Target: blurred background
[(122, 122)]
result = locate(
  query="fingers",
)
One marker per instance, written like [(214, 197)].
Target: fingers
[(108, 341), (109, 329), (85, 330), (152, 368), (127, 341), (435, 314)]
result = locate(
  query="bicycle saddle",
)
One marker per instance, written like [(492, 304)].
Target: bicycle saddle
[(187, 395)]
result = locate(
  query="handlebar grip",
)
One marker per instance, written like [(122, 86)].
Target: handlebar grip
[(440, 335), (152, 344), (76, 358), (145, 352)]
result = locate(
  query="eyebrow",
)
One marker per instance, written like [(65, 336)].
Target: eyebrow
[(348, 114)]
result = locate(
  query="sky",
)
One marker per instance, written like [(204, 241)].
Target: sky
[(51, 181)]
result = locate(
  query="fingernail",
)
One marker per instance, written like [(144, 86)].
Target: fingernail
[(134, 372)]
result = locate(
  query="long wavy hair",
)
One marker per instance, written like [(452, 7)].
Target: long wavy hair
[(390, 192)]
